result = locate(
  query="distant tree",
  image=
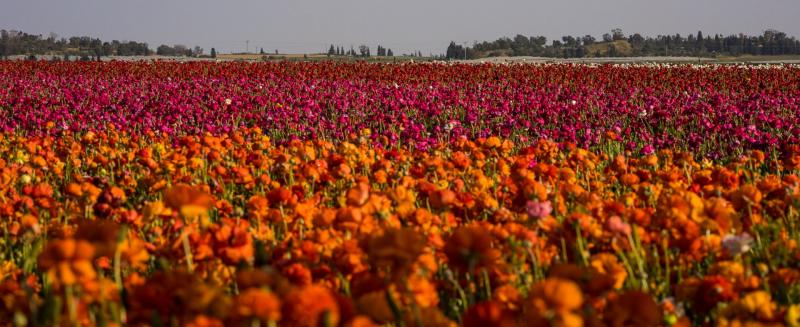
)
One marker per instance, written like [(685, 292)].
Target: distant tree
[(636, 39), (213, 53), (261, 51), (451, 51), (700, 42), (607, 37), (569, 41), (588, 40), (538, 41), (198, 51), (165, 50), (363, 50), (616, 34), (331, 51), (389, 53)]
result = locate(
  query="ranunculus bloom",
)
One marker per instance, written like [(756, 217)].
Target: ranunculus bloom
[(188, 201), (537, 210), (616, 225)]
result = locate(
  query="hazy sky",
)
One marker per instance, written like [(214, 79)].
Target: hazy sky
[(402, 25)]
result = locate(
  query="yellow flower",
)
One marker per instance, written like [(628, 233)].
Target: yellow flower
[(792, 317), (758, 303)]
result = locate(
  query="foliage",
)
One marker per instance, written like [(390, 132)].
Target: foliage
[(772, 42)]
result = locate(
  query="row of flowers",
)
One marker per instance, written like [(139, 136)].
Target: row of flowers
[(112, 227), (716, 111)]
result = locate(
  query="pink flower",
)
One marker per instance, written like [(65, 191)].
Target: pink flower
[(616, 225), (538, 210)]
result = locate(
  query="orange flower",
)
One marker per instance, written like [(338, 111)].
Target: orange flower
[(310, 306), (175, 293), (632, 308), (629, 179), (360, 321), (233, 243), (492, 142), (68, 262), (190, 202), (395, 249), (298, 274), (74, 189), (428, 317), (257, 207), (470, 248), (358, 195), (134, 251), (729, 269), (556, 300), (488, 314), (376, 306), (155, 209), (607, 263), (508, 296), (712, 290), (423, 291), (556, 294), (443, 198), (204, 321), (257, 303), (103, 235), (281, 196)]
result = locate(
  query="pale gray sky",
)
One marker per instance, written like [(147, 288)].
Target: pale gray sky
[(427, 25)]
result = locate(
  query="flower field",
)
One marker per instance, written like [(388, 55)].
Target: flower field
[(355, 194)]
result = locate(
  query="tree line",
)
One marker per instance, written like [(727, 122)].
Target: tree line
[(616, 44), (363, 51), (14, 42)]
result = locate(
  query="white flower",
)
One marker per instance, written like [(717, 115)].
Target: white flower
[(736, 245), (573, 102), (228, 102)]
